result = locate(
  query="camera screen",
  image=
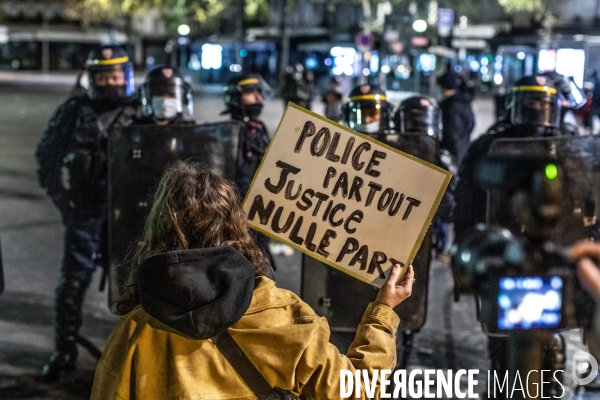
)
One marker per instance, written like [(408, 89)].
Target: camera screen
[(527, 302)]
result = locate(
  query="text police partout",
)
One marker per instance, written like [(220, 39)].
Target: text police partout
[(432, 384)]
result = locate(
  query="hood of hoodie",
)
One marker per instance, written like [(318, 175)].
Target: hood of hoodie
[(199, 292)]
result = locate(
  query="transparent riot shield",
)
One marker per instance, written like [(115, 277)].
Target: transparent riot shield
[(138, 156), (343, 299), (579, 159)]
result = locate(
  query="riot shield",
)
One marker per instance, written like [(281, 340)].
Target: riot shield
[(138, 156), (343, 299), (579, 159)]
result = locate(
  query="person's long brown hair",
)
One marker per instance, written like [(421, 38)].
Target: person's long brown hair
[(193, 208)]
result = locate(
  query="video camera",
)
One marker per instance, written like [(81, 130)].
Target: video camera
[(525, 280)]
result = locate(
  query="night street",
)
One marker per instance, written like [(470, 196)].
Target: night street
[(31, 237), (438, 161)]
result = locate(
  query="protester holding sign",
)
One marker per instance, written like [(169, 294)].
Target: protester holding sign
[(202, 278)]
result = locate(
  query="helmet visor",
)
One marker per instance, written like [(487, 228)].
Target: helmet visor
[(367, 116), (118, 75), (533, 107), (423, 121), (179, 93)]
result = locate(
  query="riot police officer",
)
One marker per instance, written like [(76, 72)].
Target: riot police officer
[(72, 160), (165, 97), (421, 115), (367, 110), (534, 112), (244, 101), (572, 98), (418, 122)]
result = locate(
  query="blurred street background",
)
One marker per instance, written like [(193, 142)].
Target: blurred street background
[(402, 45), (31, 236)]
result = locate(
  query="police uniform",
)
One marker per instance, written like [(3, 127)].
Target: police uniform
[(422, 116), (572, 98), (72, 160), (165, 98), (253, 140), (534, 112)]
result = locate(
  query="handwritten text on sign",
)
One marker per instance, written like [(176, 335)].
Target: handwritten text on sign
[(342, 197)]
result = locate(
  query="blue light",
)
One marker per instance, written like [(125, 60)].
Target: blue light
[(374, 62), (311, 63), (505, 324), (212, 56), (343, 60), (243, 53), (507, 283), (550, 319), (504, 302), (427, 62), (556, 282)]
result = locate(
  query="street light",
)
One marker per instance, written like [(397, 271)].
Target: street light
[(183, 30), (419, 25)]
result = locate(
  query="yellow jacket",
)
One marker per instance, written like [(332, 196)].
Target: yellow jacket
[(280, 334)]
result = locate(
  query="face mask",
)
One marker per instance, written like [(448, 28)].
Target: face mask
[(253, 110), (84, 81), (164, 108), (372, 127), (108, 93)]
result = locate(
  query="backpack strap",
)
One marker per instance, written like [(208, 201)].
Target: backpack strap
[(244, 367)]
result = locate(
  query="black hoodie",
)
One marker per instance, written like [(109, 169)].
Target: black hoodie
[(199, 292), (458, 123)]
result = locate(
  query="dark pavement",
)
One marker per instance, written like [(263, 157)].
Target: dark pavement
[(31, 238)]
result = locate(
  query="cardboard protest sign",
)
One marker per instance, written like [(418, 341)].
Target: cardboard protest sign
[(342, 197)]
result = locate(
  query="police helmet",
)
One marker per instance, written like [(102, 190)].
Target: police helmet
[(419, 115), (367, 110), (165, 93), (104, 60), (234, 89), (535, 101), (572, 94)]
